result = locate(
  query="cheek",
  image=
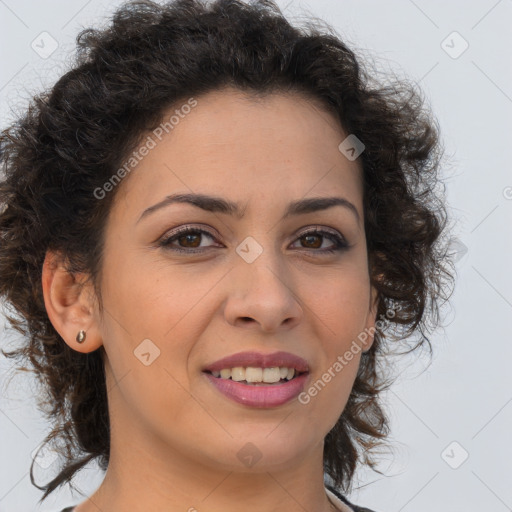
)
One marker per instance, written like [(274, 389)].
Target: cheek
[(153, 299), (340, 302), (325, 398), (147, 340), (154, 315), (340, 309)]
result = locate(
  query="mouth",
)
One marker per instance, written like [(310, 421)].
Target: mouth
[(259, 394), (256, 379), (252, 376)]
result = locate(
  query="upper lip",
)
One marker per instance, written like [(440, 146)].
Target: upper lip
[(260, 360)]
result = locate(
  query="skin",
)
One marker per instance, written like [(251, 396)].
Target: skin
[(175, 438)]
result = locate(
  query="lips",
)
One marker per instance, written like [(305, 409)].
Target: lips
[(270, 396), (260, 360)]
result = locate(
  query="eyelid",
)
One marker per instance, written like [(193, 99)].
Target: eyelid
[(319, 227), (214, 233), (339, 240)]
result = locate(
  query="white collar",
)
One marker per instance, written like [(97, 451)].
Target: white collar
[(342, 507)]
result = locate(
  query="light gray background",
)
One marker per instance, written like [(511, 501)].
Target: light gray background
[(465, 395)]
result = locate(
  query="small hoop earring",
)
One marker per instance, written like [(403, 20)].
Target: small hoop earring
[(80, 337)]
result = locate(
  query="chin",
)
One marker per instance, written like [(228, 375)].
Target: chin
[(259, 451)]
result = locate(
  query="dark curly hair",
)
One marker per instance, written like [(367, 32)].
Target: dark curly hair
[(71, 139)]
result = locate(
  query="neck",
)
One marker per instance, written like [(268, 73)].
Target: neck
[(143, 475)]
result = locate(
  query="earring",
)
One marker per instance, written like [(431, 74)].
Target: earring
[(80, 337)]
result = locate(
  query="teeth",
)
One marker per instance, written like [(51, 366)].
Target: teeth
[(254, 374), (271, 374), (251, 374), (238, 373)]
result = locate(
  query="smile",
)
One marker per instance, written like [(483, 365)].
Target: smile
[(259, 393)]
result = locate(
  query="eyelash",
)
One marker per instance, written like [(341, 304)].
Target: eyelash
[(340, 243)]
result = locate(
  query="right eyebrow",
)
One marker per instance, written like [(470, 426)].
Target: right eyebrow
[(221, 205)]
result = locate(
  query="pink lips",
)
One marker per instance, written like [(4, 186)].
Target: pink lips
[(259, 396), (259, 360), (263, 396)]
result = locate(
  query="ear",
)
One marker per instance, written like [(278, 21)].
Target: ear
[(371, 320), (71, 304)]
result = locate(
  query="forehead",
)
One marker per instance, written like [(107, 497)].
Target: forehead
[(236, 145)]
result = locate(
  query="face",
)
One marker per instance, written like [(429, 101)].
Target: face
[(263, 282)]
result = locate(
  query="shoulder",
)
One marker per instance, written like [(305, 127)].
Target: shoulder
[(355, 508)]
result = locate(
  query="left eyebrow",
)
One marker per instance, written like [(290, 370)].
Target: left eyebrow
[(221, 205)]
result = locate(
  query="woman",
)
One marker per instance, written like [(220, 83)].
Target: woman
[(213, 228)]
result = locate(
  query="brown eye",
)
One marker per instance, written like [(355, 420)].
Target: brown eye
[(313, 240), (192, 238), (186, 238), (310, 239)]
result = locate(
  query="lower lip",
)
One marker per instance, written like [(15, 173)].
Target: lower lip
[(259, 396)]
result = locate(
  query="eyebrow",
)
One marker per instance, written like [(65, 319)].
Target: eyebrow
[(221, 205)]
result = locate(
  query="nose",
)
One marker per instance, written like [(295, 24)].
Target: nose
[(262, 296)]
